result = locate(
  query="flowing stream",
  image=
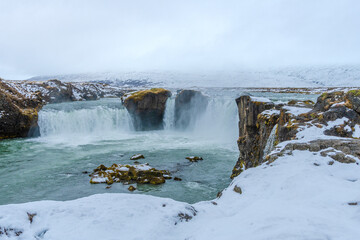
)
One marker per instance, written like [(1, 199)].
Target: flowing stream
[(77, 137)]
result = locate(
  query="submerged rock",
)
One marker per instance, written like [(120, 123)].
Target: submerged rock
[(141, 173), (137, 156), (189, 105), (147, 108), (194, 158)]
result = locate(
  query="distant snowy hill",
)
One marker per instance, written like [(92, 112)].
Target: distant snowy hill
[(344, 76)]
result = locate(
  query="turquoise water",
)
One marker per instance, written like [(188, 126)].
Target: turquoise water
[(78, 136)]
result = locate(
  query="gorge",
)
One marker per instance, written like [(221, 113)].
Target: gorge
[(314, 143)]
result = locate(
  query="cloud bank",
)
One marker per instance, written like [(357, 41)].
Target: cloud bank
[(57, 37)]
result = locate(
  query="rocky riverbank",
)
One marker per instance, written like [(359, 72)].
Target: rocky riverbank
[(20, 102), (330, 127)]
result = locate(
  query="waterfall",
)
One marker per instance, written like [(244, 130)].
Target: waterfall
[(169, 116), (220, 120), (270, 142), (96, 120)]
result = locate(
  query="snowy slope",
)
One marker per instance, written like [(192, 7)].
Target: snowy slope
[(290, 199), (334, 76)]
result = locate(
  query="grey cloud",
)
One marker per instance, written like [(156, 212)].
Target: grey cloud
[(56, 37)]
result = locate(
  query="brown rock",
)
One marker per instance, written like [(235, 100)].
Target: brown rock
[(147, 108)]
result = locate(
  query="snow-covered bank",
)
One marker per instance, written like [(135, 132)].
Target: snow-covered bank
[(102, 216), (298, 196)]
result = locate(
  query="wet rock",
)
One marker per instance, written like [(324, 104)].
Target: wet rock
[(157, 180), (177, 179), (141, 174), (137, 157), (147, 108), (194, 158), (189, 105), (353, 203), (131, 188)]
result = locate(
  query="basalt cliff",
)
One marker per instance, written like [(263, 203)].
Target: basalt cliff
[(330, 127)]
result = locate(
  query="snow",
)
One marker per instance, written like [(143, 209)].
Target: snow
[(297, 110), (356, 133), (327, 76), (260, 99), (289, 199), (103, 216), (292, 199), (309, 133), (270, 112)]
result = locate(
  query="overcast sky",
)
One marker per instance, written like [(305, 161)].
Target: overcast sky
[(40, 37)]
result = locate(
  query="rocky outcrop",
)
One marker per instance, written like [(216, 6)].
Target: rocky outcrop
[(147, 108), (18, 113), (189, 105), (253, 133), (20, 102), (263, 125), (141, 173), (55, 91)]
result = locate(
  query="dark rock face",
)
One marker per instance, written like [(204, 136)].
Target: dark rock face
[(18, 113), (147, 108), (336, 113), (326, 100), (189, 105), (57, 92), (253, 134)]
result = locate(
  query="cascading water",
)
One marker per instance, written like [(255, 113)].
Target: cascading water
[(271, 141), (169, 116), (219, 121), (77, 137), (91, 119)]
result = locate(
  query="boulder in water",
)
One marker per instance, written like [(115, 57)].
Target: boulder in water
[(141, 173), (189, 105), (147, 108), (194, 158), (137, 156)]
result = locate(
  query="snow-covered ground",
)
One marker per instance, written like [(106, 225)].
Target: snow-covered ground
[(298, 196), (327, 76)]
